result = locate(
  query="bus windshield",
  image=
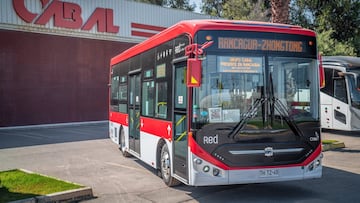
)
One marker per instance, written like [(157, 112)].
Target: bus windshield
[(267, 97), (354, 87)]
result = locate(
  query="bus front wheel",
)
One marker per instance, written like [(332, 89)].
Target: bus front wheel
[(165, 167)]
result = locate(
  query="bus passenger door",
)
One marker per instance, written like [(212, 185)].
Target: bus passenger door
[(134, 113), (340, 105), (180, 139)]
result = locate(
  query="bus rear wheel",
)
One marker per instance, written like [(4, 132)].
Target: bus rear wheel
[(165, 167)]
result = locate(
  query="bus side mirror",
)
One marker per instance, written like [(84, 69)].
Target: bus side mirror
[(193, 73)]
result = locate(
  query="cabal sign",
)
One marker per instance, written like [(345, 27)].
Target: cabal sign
[(67, 15)]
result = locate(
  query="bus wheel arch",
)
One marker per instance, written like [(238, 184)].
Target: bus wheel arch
[(122, 142), (165, 167), (160, 144)]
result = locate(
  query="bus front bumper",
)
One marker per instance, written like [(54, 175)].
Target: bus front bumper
[(204, 173)]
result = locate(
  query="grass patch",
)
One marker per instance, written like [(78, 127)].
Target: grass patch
[(17, 184), (329, 141)]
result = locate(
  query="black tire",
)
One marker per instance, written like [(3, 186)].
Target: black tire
[(165, 167), (122, 143)]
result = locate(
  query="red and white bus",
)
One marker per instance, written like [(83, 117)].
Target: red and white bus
[(217, 102)]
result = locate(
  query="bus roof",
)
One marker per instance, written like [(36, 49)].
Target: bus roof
[(192, 26), (348, 62)]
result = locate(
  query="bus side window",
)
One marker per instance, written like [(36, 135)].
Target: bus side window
[(114, 98), (161, 109), (148, 91), (161, 100), (328, 89), (340, 89)]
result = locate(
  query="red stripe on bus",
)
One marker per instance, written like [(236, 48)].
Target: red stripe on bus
[(200, 152), (120, 118), (156, 127), (147, 27)]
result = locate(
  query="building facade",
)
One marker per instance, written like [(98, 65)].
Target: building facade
[(55, 55)]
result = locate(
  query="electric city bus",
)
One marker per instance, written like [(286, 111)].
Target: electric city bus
[(340, 98), (218, 102)]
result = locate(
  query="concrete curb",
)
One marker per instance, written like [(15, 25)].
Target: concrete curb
[(336, 145), (74, 195), (65, 196)]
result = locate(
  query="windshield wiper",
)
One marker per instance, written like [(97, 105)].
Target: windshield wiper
[(281, 108), (276, 104), (249, 114)]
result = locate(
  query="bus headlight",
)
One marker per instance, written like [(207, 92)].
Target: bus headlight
[(206, 169), (198, 161), (216, 171), (315, 164), (311, 167)]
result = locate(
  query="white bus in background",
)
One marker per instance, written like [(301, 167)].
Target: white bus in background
[(340, 98)]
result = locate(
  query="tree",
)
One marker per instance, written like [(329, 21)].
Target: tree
[(237, 9), (156, 2), (213, 7), (246, 10), (341, 16), (280, 11), (329, 46), (180, 4)]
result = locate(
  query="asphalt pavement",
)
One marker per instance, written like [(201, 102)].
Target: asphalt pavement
[(84, 154)]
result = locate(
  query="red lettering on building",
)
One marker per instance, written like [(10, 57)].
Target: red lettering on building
[(67, 15), (104, 19)]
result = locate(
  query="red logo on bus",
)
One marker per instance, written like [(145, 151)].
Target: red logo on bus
[(67, 15)]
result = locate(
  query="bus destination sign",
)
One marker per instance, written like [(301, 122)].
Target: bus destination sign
[(240, 64), (261, 44)]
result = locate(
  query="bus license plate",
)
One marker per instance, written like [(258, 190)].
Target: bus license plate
[(269, 173)]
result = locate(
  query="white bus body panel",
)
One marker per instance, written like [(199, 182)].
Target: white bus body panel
[(148, 145), (114, 129), (114, 133), (330, 105), (326, 111)]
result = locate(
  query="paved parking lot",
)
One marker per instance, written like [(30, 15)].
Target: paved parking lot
[(84, 154)]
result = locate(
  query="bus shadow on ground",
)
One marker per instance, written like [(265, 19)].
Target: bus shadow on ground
[(10, 138), (335, 186)]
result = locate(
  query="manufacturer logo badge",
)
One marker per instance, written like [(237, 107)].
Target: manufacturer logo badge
[(269, 151)]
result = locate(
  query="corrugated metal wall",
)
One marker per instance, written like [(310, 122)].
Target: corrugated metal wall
[(125, 12)]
